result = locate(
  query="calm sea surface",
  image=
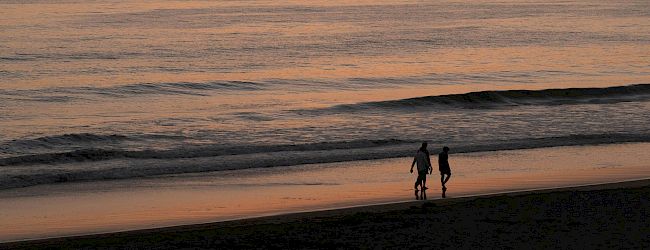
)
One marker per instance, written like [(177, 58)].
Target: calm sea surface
[(119, 89)]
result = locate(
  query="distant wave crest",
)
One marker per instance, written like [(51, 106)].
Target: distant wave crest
[(56, 141), (82, 137), (493, 99), (65, 94)]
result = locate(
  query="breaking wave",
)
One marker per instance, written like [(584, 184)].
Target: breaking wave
[(97, 154), (495, 99), (100, 164)]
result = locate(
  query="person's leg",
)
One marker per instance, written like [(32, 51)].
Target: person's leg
[(446, 179), (442, 179), (417, 182), (424, 181)]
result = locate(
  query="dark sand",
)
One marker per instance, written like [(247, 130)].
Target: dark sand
[(598, 216)]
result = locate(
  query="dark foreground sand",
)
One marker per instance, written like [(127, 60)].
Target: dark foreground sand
[(600, 216)]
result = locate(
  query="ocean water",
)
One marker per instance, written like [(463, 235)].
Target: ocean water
[(94, 90)]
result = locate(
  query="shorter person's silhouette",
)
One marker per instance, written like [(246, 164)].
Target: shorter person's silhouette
[(445, 170), (424, 167)]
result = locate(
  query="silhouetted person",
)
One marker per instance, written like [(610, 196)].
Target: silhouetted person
[(445, 171), (424, 167)]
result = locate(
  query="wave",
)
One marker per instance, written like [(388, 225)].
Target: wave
[(172, 88), (82, 137), (56, 141), (495, 99), (96, 164), (65, 94), (95, 154), (40, 148)]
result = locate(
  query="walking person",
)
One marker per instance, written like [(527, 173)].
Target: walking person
[(445, 170), (424, 166)]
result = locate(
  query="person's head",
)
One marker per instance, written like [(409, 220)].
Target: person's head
[(445, 148), (424, 145)]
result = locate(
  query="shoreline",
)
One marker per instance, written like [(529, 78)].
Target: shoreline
[(214, 163), (76, 209), (288, 218)]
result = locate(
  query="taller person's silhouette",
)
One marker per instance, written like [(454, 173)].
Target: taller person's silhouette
[(424, 167), (445, 170)]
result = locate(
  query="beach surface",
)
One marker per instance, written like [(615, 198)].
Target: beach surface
[(85, 208), (602, 216), (159, 115)]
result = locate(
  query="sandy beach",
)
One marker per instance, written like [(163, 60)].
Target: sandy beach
[(602, 216), (84, 208), (560, 197)]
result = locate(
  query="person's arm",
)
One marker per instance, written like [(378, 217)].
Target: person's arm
[(429, 163), (413, 164)]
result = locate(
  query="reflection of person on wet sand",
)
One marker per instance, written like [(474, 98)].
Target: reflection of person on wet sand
[(424, 167), (443, 166)]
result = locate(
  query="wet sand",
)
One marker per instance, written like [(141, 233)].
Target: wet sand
[(587, 217), (110, 206)]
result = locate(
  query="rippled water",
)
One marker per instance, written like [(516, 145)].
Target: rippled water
[(89, 82)]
